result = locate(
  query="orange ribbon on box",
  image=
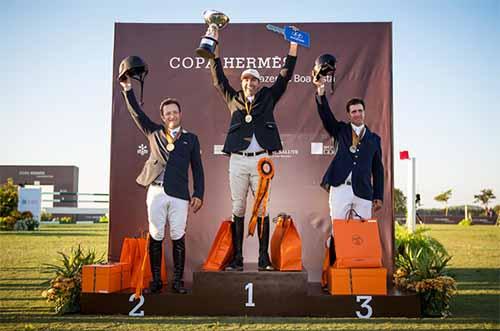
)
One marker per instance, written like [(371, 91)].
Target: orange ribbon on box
[(135, 252), (265, 168)]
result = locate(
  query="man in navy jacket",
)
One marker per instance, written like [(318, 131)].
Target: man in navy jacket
[(165, 174), (252, 134), (355, 177)]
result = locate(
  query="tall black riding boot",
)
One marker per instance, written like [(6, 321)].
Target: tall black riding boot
[(264, 262), (155, 257), (333, 254), (179, 254), (237, 228)]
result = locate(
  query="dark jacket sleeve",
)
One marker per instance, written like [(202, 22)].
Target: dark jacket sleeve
[(197, 169), (220, 80), (286, 73), (330, 123), (140, 118), (378, 173)]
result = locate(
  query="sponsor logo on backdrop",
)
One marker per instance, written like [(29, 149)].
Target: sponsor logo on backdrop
[(286, 153), (142, 150), (319, 148), (270, 62), (274, 62)]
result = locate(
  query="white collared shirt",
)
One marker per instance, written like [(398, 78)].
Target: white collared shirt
[(254, 144), (173, 132), (357, 129)]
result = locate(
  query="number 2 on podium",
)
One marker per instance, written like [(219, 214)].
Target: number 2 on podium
[(249, 288)]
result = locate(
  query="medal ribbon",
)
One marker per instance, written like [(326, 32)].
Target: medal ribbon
[(356, 138), (249, 109), (171, 139)]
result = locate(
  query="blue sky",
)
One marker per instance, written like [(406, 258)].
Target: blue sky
[(57, 79)]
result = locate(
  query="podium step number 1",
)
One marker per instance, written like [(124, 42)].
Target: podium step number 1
[(249, 288)]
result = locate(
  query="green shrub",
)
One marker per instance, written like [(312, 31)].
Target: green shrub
[(104, 219), (465, 222), (420, 263), (26, 224), (8, 198), (66, 220), (65, 288), (45, 217), (7, 223)]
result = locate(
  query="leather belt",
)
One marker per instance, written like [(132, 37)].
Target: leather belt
[(250, 154)]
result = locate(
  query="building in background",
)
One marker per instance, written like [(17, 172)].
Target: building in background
[(59, 188)]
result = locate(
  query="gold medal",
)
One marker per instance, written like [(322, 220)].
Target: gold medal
[(355, 140), (171, 140), (249, 117)]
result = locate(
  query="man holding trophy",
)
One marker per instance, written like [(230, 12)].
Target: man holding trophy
[(252, 134)]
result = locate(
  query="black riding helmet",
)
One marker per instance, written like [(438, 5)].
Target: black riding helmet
[(135, 68), (325, 65)]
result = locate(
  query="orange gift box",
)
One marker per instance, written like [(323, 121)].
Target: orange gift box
[(370, 281), (105, 278), (357, 244)]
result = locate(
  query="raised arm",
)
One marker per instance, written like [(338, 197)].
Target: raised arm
[(330, 123), (286, 73), (219, 79), (142, 121)]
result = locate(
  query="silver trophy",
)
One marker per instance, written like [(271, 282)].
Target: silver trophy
[(216, 21)]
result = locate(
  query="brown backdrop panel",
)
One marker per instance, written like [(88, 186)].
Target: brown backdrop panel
[(364, 69)]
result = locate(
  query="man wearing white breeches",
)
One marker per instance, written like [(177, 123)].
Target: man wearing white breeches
[(355, 177), (252, 134), (165, 174)]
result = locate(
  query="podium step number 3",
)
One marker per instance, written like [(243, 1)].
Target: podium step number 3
[(365, 304)]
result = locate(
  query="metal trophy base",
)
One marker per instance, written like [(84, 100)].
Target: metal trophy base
[(253, 293), (207, 47)]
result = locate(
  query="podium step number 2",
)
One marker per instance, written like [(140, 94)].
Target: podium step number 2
[(134, 312)]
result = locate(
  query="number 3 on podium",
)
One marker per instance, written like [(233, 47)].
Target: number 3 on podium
[(365, 304)]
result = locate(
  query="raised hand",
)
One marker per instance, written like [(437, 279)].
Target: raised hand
[(126, 83), (319, 83)]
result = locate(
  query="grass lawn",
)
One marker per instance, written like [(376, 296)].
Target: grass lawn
[(475, 265)]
